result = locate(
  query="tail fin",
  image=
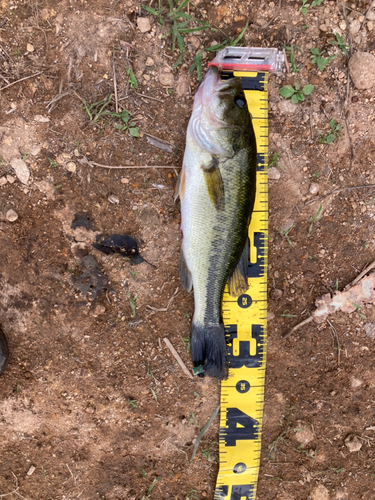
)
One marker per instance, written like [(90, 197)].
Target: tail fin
[(209, 349)]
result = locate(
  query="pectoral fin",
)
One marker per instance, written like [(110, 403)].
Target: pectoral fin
[(185, 274), (214, 183), (180, 185), (237, 282)]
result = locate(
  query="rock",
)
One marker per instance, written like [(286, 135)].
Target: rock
[(11, 215), (273, 174), (355, 383), (99, 310), (320, 492), (354, 26), (304, 436), (3, 181), (370, 330), (194, 41), (314, 188), (30, 48), (21, 169), (371, 15), (113, 199), (362, 70), (11, 179), (370, 25), (41, 119), (341, 495), (353, 443), (46, 187), (270, 315), (150, 61), (35, 150), (125, 180), (276, 294), (287, 107), (323, 28), (166, 79), (182, 85), (71, 166), (287, 225), (143, 24)]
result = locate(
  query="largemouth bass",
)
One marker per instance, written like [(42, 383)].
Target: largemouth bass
[(217, 191)]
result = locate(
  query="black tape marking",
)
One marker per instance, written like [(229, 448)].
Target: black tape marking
[(257, 269), (248, 82), (238, 427), (244, 358), (261, 162), (244, 301), (241, 492)]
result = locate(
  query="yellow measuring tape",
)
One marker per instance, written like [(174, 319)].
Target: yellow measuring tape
[(245, 322)]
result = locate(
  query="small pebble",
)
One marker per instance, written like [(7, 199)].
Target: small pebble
[(31, 470), (276, 294), (11, 215), (323, 27), (166, 79), (270, 315), (314, 188), (354, 26), (3, 181), (362, 70), (41, 119), (355, 383), (150, 61), (273, 174), (320, 492), (124, 180), (370, 25), (371, 15), (71, 166), (99, 310), (304, 436), (113, 199), (30, 48), (353, 443), (21, 169), (143, 24)]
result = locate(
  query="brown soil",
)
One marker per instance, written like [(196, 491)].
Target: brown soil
[(92, 404)]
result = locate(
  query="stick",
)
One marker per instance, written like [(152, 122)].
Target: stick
[(346, 120), (149, 97), (272, 18), (372, 4), (115, 86), (21, 80), (94, 164), (202, 432), (336, 191), (177, 358), (363, 273), (297, 327)]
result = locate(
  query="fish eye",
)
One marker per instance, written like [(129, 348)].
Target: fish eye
[(240, 101)]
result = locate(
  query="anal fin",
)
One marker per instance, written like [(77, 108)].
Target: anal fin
[(214, 183), (180, 185), (185, 274), (237, 281)]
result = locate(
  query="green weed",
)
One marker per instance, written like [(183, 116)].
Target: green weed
[(306, 5), (275, 160), (288, 314), (52, 163), (290, 50), (314, 218), (340, 43), (132, 402), (318, 59), (132, 79), (132, 304), (207, 452), (154, 394), (296, 94), (285, 233), (335, 129), (187, 342), (191, 495)]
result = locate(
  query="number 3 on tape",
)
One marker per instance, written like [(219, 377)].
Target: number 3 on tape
[(245, 318)]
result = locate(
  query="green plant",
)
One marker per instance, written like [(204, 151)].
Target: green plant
[(285, 233), (296, 94), (318, 59), (288, 314), (305, 452), (228, 42), (192, 417), (146, 495), (290, 50), (52, 163), (305, 5), (132, 402), (191, 495), (274, 160), (358, 310), (130, 127), (314, 218), (132, 79), (209, 454), (154, 394), (132, 304), (187, 342), (335, 129), (340, 43)]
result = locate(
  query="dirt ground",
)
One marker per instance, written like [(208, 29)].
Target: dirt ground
[(92, 404)]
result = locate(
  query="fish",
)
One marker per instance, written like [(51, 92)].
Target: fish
[(216, 187)]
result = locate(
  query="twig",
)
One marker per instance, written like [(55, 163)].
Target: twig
[(347, 25), (21, 80), (203, 431), (363, 273), (165, 309), (272, 18), (149, 97), (336, 191), (94, 164), (372, 4), (115, 86), (297, 327), (286, 60), (157, 138), (346, 120), (177, 358)]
